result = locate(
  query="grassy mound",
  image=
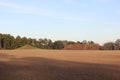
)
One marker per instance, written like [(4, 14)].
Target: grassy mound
[(28, 47)]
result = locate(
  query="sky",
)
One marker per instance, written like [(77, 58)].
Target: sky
[(76, 20)]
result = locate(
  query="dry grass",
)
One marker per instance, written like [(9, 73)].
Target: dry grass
[(59, 65), (28, 47)]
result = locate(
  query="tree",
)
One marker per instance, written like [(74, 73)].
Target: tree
[(109, 46), (117, 44), (18, 42), (34, 43), (10, 42), (24, 41), (90, 42), (71, 42), (29, 41), (6, 41), (84, 42), (49, 45), (58, 45), (78, 42)]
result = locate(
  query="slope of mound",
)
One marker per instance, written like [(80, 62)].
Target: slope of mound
[(28, 47)]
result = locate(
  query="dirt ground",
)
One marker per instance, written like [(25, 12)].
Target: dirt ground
[(59, 65)]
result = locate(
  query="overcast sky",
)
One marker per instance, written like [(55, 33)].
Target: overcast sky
[(97, 20)]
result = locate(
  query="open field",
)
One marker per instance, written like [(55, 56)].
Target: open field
[(59, 65)]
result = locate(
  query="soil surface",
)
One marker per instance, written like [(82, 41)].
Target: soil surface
[(59, 65)]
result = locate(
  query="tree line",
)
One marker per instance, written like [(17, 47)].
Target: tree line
[(112, 45), (8, 41)]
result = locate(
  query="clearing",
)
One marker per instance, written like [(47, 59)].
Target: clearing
[(36, 64)]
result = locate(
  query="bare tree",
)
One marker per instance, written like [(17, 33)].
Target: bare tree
[(117, 44), (109, 46)]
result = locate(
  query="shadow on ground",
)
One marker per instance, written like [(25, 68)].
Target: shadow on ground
[(47, 69)]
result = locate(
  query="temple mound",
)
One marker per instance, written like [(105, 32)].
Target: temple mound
[(28, 47)]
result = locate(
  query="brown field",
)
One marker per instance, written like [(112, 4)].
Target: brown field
[(59, 65)]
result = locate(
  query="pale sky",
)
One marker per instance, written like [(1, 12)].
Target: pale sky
[(76, 20)]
